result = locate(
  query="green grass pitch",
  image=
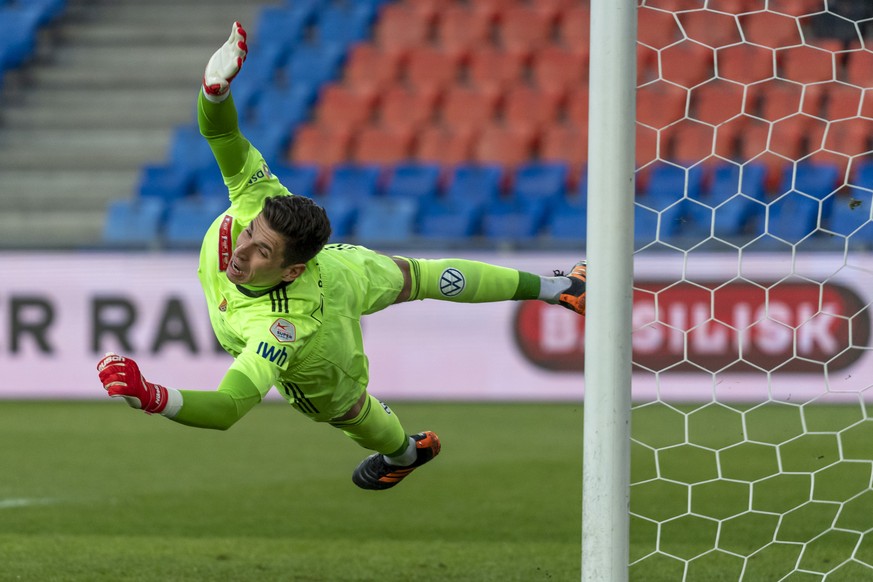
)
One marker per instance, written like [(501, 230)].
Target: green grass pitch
[(93, 491)]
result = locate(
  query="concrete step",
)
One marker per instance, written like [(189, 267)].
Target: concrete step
[(81, 149), (71, 190), (88, 109), (51, 230)]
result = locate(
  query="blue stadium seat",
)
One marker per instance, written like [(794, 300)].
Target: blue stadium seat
[(513, 218), (342, 212), (315, 63), (18, 41), (356, 181), (281, 108), (568, 220), (738, 201), (648, 227), (189, 151), (135, 222), (163, 182), (345, 23), (300, 179), (386, 220), (413, 180), (668, 181), (851, 215), (188, 220), (475, 183), (270, 140), (544, 181), (259, 73), (815, 179), (209, 183), (792, 217), (281, 26), (443, 219)]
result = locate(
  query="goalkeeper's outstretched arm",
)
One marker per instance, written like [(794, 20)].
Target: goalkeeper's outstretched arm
[(219, 410), (216, 112)]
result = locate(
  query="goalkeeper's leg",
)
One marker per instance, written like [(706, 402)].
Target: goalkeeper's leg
[(466, 281)]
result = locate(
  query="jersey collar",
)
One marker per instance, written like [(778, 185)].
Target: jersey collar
[(259, 292)]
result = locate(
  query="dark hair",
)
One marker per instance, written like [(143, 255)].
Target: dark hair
[(303, 223)]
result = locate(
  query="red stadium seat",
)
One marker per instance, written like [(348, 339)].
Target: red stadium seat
[(574, 27), (370, 66), (660, 104), (443, 145), (429, 68), (523, 29), (466, 107), (405, 108), (770, 29), (686, 63), (779, 99), (689, 142), (717, 101), (859, 68), (323, 146), (795, 7), (735, 6), (745, 63), (345, 107), (494, 67), (843, 101), (400, 27), (503, 144), (555, 67), (565, 143), (806, 64), (656, 28), (713, 29), (524, 105), (460, 28), (646, 147), (577, 106), (378, 145)]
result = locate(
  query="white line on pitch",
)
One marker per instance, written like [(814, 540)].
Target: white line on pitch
[(24, 502)]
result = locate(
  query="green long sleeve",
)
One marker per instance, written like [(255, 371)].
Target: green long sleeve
[(236, 395), (219, 125)]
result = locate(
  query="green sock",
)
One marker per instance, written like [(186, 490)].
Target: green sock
[(376, 428), (467, 281)]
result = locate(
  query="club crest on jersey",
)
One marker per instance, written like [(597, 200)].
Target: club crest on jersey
[(264, 172), (452, 282), (283, 330), (222, 307)]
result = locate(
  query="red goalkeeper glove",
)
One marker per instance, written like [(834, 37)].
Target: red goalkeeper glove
[(121, 377), (225, 64)]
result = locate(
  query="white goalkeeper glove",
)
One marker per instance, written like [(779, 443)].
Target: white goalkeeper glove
[(225, 64)]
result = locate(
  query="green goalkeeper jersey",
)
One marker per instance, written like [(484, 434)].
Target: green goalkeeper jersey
[(304, 337)]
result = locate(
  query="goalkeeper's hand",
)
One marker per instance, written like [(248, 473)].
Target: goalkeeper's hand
[(225, 64), (121, 377)]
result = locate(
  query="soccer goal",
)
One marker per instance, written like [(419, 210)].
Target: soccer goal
[(751, 440)]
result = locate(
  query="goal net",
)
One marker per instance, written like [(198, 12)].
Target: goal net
[(752, 439)]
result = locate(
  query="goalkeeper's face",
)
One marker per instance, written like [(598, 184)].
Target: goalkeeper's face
[(258, 257)]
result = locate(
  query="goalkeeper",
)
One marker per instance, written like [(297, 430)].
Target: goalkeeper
[(288, 306)]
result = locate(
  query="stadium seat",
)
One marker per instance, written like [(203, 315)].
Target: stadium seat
[(413, 180), (659, 104), (490, 67), (770, 29), (541, 181), (523, 29), (656, 28), (384, 220), (567, 143), (135, 222), (400, 28), (844, 101), (850, 215), (431, 69), (574, 27), (447, 146), (558, 68), (717, 101), (568, 219), (164, 182), (810, 178), (370, 67), (285, 108), (466, 107), (300, 179), (269, 139), (779, 99), (859, 68), (281, 27), (463, 29), (314, 63), (401, 107), (806, 64), (508, 145), (710, 28), (512, 218), (745, 63), (342, 212), (668, 183), (445, 219), (343, 107), (689, 142), (321, 146), (355, 181), (345, 23), (535, 107), (379, 145), (736, 193), (686, 63), (209, 183), (188, 220), (189, 150), (792, 217), (576, 106), (475, 183), (20, 25)]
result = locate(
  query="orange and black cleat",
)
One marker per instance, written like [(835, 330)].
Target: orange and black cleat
[(376, 473), (574, 297)]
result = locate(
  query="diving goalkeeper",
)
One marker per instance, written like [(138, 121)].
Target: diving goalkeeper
[(287, 305)]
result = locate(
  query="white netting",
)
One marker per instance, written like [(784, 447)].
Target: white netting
[(752, 450)]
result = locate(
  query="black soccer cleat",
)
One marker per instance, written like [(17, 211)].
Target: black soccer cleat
[(376, 473), (573, 298)]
